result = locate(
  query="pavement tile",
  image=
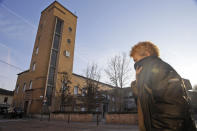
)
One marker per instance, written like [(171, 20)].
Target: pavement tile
[(37, 125)]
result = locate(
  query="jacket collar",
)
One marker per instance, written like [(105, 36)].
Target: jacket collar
[(143, 61)]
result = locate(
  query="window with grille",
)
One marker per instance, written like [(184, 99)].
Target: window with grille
[(53, 59)]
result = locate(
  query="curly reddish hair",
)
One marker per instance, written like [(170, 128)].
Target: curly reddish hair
[(144, 46)]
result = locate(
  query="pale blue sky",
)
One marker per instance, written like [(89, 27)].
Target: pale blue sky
[(105, 28)]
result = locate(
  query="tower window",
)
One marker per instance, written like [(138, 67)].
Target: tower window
[(53, 58), (37, 49), (51, 76), (69, 29), (34, 67), (30, 85), (68, 41), (66, 53), (55, 50), (58, 26)]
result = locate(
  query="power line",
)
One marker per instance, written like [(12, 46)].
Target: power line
[(11, 65), (15, 14)]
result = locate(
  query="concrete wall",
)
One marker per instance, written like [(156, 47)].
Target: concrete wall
[(130, 119), (121, 119), (73, 117)]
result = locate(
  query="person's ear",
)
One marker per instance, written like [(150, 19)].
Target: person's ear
[(147, 53)]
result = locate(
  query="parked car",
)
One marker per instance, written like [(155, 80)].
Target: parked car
[(19, 112), (3, 109), (10, 112), (14, 112)]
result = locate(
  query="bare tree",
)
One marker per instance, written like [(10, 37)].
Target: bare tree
[(118, 70), (93, 75), (65, 94), (92, 97)]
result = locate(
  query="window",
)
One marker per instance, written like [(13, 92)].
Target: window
[(113, 109), (113, 99), (51, 76), (34, 67), (83, 92), (63, 87), (5, 99), (37, 49), (58, 26), (68, 41), (24, 87), (75, 90), (97, 109), (69, 29), (130, 94), (83, 109), (53, 58), (66, 53), (103, 96), (56, 42), (108, 97), (30, 85), (17, 88), (55, 50)]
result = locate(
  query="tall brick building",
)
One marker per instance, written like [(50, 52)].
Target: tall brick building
[(53, 54)]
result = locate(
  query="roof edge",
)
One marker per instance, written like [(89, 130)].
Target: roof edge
[(6, 92), (93, 80), (61, 6), (23, 72)]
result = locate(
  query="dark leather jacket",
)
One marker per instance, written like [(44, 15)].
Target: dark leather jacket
[(164, 102)]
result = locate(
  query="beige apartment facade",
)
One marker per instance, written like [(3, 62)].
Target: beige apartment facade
[(53, 55)]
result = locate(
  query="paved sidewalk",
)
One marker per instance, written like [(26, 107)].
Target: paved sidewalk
[(37, 125)]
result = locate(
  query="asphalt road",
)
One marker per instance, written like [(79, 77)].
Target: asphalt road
[(37, 125), (45, 125)]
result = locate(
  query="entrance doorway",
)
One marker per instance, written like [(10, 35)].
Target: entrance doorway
[(26, 106)]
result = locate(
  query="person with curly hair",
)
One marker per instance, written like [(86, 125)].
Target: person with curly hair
[(162, 101)]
